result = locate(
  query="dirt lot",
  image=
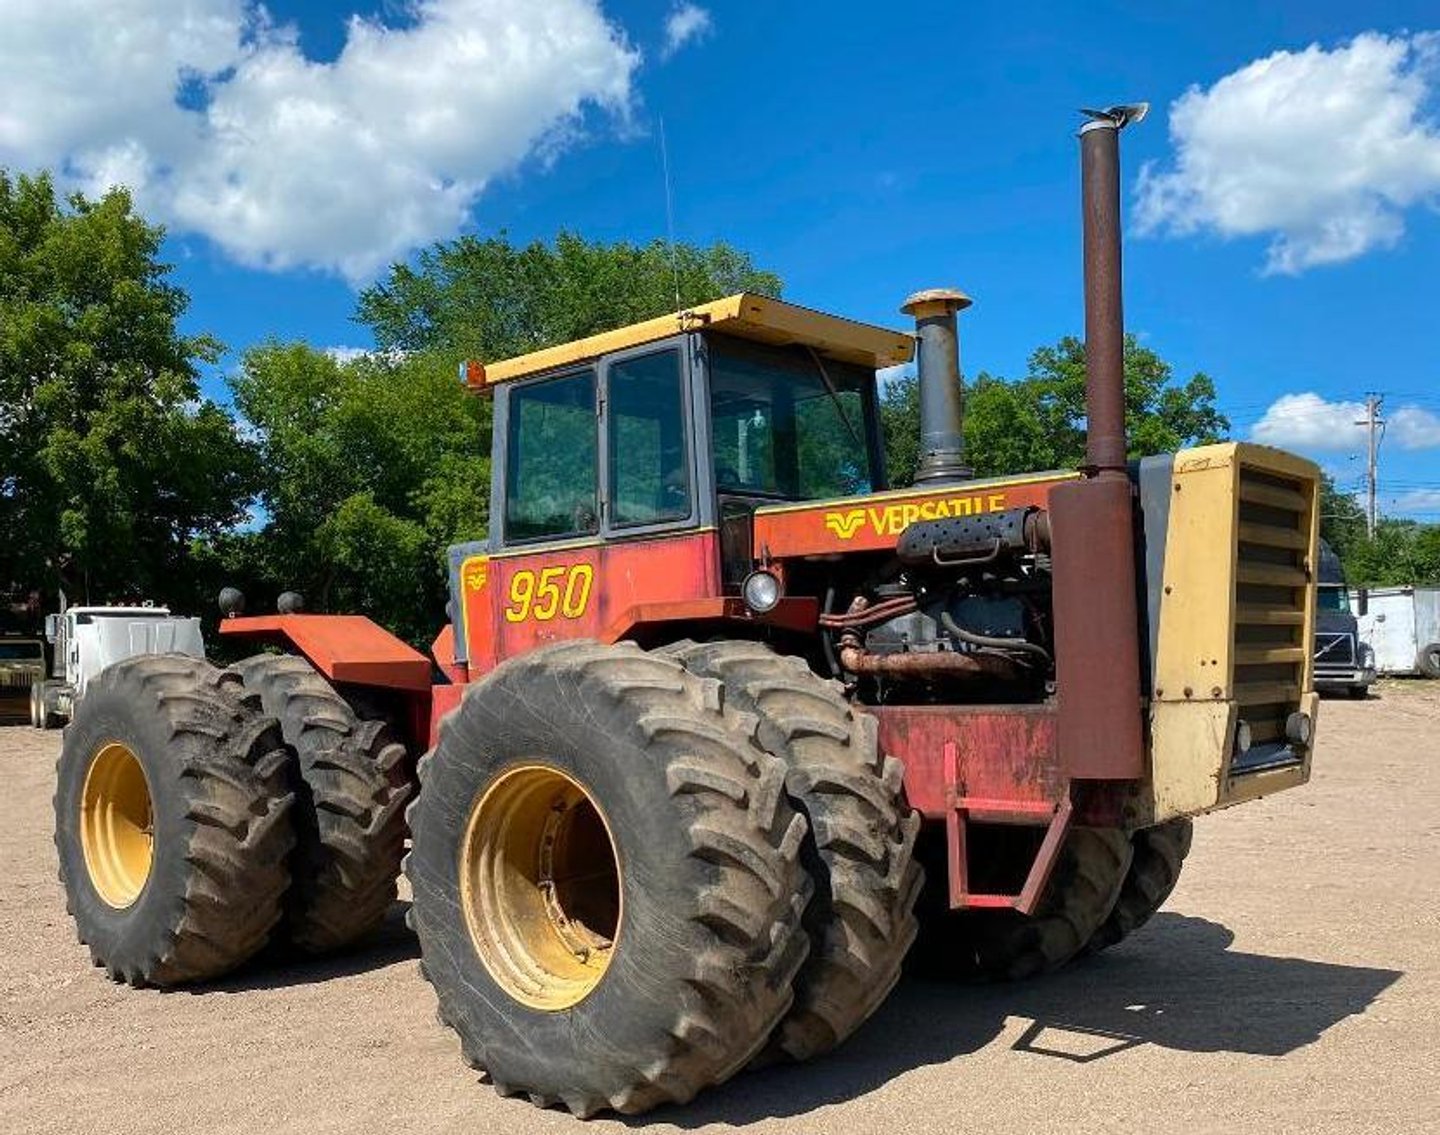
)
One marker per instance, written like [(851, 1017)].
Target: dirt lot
[(1292, 984)]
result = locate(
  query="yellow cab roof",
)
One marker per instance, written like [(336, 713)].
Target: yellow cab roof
[(746, 316)]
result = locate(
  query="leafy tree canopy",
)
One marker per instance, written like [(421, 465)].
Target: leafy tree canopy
[(111, 463), (490, 299), (1038, 422)]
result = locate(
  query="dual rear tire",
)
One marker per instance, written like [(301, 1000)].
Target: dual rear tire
[(202, 813)]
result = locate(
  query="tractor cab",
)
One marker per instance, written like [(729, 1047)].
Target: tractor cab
[(629, 465)]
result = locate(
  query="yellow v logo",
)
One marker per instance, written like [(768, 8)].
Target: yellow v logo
[(845, 524)]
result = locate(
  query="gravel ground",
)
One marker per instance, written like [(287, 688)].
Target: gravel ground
[(1291, 984)]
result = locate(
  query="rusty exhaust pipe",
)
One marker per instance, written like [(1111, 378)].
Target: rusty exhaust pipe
[(1099, 726), (1104, 308), (942, 391)]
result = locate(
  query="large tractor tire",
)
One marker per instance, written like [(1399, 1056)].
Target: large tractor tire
[(351, 787), (1157, 856), (1082, 891), (860, 852), (1428, 660), (607, 881), (172, 821)]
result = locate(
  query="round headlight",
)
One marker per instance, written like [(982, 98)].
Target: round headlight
[(761, 591)]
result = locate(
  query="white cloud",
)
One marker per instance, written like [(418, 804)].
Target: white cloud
[(1417, 500), (1321, 150), (1413, 428), (687, 23), (285, 162), (1310, 423)]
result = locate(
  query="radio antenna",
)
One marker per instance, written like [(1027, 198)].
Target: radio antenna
[(669, 213)]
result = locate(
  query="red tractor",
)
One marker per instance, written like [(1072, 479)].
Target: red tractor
[(710, 695)]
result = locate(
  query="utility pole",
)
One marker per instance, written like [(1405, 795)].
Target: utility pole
[(1375, 429)]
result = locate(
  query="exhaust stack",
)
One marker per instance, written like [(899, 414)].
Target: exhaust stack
[(942, 393), (1099, 730), (1105, 446)]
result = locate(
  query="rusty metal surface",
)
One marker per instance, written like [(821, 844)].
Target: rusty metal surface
[(1104, 314), (999, 753), (1100, 731), (857, 660), (1044, 866)]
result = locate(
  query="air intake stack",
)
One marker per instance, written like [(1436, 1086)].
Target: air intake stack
[(942, 395)]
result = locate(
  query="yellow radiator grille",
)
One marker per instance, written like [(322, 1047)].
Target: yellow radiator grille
[(1273, 574)]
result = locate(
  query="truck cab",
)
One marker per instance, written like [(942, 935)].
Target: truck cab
[(1343, 663), (88, 639)]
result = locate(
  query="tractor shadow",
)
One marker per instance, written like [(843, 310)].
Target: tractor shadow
[(277, 968), (1176, 984)]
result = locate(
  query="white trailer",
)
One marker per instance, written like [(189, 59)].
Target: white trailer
[(88, 639), (1402, 627)]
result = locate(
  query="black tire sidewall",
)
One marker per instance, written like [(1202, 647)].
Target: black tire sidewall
[(635, 1004), (132, 937)]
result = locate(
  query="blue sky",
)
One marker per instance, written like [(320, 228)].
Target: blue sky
[(1290, 210)]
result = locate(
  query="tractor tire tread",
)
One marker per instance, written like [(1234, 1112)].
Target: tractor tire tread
[(351, 787), (860, 850), (230, 769)]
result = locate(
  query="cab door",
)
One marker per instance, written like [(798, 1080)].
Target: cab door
[(598, 512)]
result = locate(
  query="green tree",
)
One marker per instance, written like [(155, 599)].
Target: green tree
[(1342, 521), (489, 299), (111, 462), (1402, 551), (373, 467), (1038, 422)]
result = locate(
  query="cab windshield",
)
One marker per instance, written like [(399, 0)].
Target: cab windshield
[(1332, 599), (778, 429)]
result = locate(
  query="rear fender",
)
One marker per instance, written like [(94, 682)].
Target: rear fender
[(348, 649)]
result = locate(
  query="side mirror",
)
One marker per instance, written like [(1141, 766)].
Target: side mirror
[(1362, 601), (52, 627)]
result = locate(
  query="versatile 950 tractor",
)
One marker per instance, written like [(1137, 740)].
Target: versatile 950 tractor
[(709, 696)]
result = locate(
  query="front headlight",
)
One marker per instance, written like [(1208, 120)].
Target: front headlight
[(761, 591)]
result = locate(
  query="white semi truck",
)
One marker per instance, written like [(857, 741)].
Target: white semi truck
[(88, 639)]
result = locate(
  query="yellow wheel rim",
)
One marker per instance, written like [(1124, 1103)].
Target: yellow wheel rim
[(540, 887), (116, 825)]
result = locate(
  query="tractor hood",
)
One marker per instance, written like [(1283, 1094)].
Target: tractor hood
[(875, 522)]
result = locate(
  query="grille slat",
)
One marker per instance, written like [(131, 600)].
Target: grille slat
[(1268, 494), (1253, 615), (1251, 533), (1275, 575), (1251, 655), (1262, 693)]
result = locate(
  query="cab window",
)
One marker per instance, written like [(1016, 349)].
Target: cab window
[(784, 428), (649, 466), (551, 474)]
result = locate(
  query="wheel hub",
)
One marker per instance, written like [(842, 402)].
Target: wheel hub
[(540, 887), (116, 825)]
